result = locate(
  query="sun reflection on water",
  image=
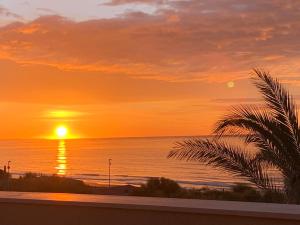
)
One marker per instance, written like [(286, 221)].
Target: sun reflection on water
[(61, 159)]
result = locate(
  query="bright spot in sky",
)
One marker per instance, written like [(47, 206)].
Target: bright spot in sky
[(61, 132), (230, 84)]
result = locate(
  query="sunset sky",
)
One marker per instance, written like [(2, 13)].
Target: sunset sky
[(119, 68)]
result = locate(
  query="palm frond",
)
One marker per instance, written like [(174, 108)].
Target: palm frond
[(270, 154), (281, 105), (244, 120), (257, 127), (225, 157)]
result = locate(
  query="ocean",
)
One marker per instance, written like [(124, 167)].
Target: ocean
[(133, 161)]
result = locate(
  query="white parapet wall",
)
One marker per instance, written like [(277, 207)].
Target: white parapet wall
[(18, 208)]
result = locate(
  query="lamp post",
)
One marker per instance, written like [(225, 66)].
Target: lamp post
[(8, 169), (8, 166), (109, 165)]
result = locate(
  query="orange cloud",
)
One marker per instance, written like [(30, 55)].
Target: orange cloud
[(188, 41), (143, 74), (62, 114)]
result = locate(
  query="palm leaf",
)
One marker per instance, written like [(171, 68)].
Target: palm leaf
[(225, 157), (281, 105), (255, 126)]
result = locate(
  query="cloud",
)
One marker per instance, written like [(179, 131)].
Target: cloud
[(63, 115), (46, 10), (121, 2), (6, 13), (212, 41), (240, 100)]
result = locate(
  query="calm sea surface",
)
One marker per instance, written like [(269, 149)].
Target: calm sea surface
[(133, 161)]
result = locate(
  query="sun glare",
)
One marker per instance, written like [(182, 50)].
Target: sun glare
[(61, 132), (231, 84)]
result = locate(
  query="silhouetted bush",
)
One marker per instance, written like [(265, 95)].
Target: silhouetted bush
[(34, 182), (40, 183), (162, 187)]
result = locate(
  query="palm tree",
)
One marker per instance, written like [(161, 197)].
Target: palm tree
[(273, 130)]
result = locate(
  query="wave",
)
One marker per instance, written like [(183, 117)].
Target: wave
[(124, 179)]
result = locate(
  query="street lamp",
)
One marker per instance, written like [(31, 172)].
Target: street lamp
[(109, 165), (8, 166)]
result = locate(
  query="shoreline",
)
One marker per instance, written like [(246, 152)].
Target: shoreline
[(102, 182)]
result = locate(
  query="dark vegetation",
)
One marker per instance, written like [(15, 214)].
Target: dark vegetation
[(39, 183), (32, 182), (155, 187), (162, 187)]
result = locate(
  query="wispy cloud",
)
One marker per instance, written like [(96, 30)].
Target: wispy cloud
[(46, 10), (120, 2), (62, 114), (7, 13), (240, 100)]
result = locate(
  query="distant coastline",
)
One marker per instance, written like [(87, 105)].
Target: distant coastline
[(121, 137)]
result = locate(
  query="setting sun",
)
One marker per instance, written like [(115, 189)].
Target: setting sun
[(61, 132), (189, 99)]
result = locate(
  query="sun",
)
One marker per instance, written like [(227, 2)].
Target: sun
[(61, 132)]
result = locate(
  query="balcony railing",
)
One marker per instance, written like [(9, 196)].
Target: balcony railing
[(18, 208)]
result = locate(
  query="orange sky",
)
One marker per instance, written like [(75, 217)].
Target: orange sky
[(138, 67)]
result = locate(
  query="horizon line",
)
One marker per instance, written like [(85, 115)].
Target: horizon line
[(121, 137)]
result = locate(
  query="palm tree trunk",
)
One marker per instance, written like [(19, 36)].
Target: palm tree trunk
[(293, 191)]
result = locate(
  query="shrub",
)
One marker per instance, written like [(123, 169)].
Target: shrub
[(41, 183), (160, 187)]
